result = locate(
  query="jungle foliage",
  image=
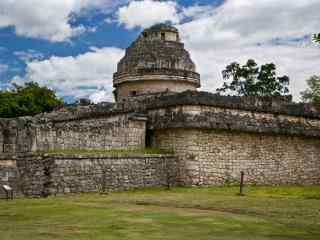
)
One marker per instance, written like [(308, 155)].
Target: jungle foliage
[(253, 80), (27, 100), (312, 93)]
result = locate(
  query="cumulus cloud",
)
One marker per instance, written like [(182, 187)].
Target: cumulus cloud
[(195, 12), (268, 31), (101, 96), (80, 76), (146, 13), (49, 19)]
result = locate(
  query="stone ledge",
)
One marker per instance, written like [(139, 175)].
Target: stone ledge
[(255, 104), (86, 156), (130, 78), (6, 157), (232, 120), (157, 71), (105, 156)]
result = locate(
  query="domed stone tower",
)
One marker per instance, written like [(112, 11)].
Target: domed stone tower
[(155, 62)]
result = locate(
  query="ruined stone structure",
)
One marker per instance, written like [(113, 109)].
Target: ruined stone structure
[(155, 62), (211, 138)]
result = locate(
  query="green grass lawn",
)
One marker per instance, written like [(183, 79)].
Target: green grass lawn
[(278, 213)]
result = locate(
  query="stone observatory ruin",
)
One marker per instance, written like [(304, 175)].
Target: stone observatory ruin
[(207, 139), (155, 62)]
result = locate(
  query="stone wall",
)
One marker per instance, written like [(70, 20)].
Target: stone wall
[(271, 105), (43, 175), (214, 138), (211, 117), (118, 132), (16, 135), (214, 141), (154, 84), (216, 157), (123, 124), (170, 36), (27, 134), (1, 138)]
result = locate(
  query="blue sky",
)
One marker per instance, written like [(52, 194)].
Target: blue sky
[(73, 45)]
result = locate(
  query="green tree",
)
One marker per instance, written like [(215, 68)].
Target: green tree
[(27, 100), (316, 37), (312, 93), (252, 80)]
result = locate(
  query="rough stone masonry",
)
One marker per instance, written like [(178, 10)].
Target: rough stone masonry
[(213, 138)]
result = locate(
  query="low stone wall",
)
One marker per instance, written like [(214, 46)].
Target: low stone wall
[(216, 157), (43, 175)]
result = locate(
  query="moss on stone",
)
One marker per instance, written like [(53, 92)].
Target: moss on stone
[(112, 152)]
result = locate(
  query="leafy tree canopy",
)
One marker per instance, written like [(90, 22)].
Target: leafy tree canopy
[(27, 100), (312, 94), (252, 80), (316, 37)]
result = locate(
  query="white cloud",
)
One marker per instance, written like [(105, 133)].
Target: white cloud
[(147, 12), (196, 11), (3, 68), (80, 76), (47, 19), (101, 96), (265, 30)]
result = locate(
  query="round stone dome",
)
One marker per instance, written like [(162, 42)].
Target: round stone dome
[(163, 27), (157, 61)]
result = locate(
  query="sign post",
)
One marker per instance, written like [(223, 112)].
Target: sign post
[(241, 183), (9, 191)]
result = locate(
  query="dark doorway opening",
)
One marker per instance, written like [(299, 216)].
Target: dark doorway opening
[(148, 138), (133, 93)]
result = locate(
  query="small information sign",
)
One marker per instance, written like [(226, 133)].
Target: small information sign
[(7, 188), (9, 191)]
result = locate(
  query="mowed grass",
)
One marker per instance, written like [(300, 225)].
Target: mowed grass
[(278, 213)]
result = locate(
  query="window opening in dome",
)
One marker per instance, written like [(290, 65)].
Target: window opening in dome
[(163, 36), (133, 93)]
